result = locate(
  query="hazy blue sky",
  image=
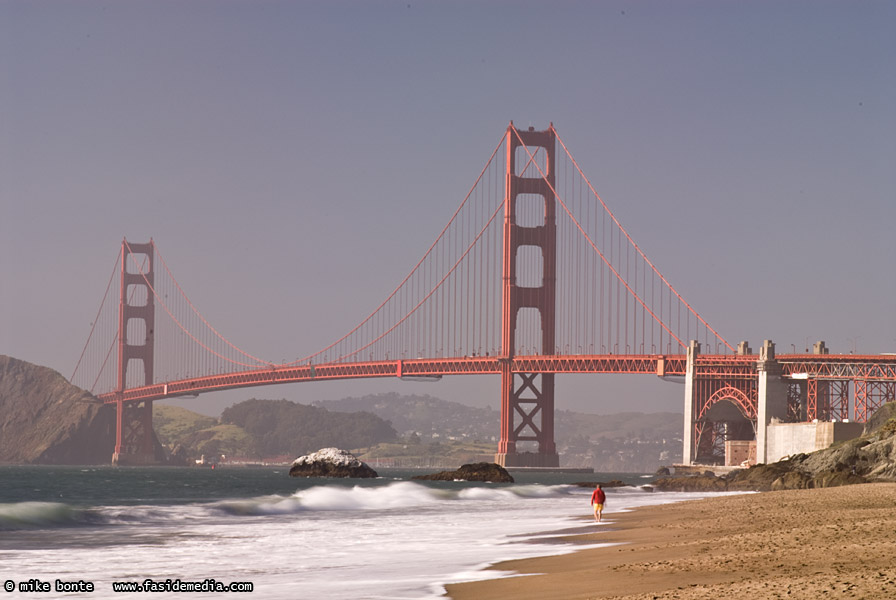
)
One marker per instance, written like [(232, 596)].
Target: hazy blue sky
[(293, 160)]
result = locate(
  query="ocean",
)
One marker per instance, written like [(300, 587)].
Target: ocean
[(94, 532)]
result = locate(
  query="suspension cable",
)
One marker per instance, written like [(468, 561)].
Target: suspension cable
[(416, 267), (184, 329), (596, 249), (202, 318), (632, 241), (97, 317)]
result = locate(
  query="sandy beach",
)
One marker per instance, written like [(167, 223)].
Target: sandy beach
[(801, 544)]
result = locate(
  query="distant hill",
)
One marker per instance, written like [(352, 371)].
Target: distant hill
[(188, 436), (257, 429), (173, 423), (620, 442), (625, 425), (46, 420), (423, 415), (632, 441), (431, 431), (281, 426)]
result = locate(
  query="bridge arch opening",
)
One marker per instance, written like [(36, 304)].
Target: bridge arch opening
[(729, 415)]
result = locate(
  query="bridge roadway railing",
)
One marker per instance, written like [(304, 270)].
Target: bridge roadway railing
[(662, 365), (825, 366), (872, 367)]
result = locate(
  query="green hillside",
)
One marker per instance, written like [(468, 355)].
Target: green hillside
[(173, 423), (262, 429)]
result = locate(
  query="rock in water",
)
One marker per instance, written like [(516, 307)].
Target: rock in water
[(330, 462), (613, 483), (473, 472)]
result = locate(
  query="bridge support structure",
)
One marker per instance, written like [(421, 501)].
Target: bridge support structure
[(689, 404), (768, 405), (134, 440), (527, 399), (772, 400), (720, 403)]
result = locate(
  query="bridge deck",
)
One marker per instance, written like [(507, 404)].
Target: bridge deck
[(421, 367), (827, 366)]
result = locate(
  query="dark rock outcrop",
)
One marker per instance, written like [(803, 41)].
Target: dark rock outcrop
[(482, 471), (613, 483), (46, 420), (330, 462), (694, 483), (880, 417)]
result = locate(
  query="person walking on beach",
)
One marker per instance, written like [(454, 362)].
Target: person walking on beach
[(598, 498)]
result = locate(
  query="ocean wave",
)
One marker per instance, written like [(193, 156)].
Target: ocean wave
[(45, 515), (264, 505), (515, 492), (393, 496), (53, 515), (132, 515), (332, 498), (398, 495)]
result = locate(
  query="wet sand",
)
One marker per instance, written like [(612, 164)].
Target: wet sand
[(802, 544)]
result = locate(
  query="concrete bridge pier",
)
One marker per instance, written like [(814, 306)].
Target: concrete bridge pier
[(772, 397), (689, 403)]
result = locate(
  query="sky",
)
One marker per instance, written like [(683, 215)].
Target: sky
[(293, 161)]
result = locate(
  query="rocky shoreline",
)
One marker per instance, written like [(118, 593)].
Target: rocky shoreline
[(869, 458)]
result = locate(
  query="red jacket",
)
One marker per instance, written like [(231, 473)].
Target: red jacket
[(598, 497)]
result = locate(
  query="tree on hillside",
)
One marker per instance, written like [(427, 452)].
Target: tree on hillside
[(284, 427)]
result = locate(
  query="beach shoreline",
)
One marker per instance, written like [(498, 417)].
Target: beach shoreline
[(834, 542)]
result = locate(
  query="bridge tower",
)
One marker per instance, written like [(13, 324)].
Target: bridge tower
[(134, 443), (529, 396)]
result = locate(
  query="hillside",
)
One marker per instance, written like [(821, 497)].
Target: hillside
[(633, 441), (260, 429), (620, 442), (46, 420), (188, 436), (173, 423), (281, 426), (425, 415)]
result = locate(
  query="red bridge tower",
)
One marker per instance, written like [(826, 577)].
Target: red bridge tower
[(528, 396), (134, 441)]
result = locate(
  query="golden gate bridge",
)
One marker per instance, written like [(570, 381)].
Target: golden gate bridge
[(532, 276)]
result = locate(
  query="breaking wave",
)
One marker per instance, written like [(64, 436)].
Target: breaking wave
[(399, 495), (43, 515)]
